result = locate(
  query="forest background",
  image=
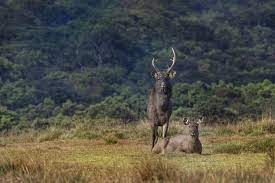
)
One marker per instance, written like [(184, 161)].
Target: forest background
[(89, 59)]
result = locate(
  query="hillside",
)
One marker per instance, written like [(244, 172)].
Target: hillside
[(64, 58)]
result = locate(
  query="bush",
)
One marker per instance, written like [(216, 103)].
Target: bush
[(269, 127), (41, 123), (120, 135), (110, 140), (7, 119)]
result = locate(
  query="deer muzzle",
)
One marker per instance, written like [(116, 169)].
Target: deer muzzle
[(163, 87)]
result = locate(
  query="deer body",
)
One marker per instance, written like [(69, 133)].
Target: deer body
[(188, 143), (159, 107)]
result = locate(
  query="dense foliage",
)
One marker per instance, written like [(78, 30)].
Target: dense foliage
[(92, 58)]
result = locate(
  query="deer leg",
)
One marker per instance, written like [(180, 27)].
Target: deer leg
[(164, 145), (165, 130), (154, 135)]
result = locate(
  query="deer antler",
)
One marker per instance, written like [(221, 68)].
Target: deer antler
[(173, 60), (153, 64)]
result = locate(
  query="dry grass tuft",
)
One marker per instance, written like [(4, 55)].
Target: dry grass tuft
[(155, 169)]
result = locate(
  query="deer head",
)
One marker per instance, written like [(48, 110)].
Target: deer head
[(193, 126), (163, 77)]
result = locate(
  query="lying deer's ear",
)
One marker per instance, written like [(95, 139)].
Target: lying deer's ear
[(172, 74), (154, 74), (186, 121), (200, 120)]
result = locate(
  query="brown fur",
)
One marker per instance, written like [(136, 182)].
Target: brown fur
[(188, 143), (159, 105)]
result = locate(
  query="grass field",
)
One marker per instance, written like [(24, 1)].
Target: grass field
[(121, 153)]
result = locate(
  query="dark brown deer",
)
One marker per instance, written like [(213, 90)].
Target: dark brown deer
[(159, 105)]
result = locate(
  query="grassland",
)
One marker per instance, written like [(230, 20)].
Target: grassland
[(109, 152)]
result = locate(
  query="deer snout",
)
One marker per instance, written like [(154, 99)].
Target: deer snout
[(163, 87)]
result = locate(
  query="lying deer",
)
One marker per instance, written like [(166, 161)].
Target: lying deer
[(188, 143)]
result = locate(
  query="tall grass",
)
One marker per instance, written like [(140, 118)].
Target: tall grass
[(255, 146), (100, 130), (38, 165), (32, 169), (248, 127)]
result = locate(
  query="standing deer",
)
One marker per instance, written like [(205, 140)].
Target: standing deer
[(159, 105)]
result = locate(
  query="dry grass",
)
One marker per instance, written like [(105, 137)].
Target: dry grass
[(256, 146), (247, 127), (121, 153), (140, 130), (30, 168)]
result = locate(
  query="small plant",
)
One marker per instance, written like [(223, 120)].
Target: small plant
[(269, 127), (120, 135), (110, 140)]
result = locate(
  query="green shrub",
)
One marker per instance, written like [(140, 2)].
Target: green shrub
[(120, 135), (110, 140), (269, 127)]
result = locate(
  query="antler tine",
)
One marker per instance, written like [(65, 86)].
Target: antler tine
[(173, 60), (153, 64)]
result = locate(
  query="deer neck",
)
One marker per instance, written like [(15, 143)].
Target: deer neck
[(163, 100), (194, 138)]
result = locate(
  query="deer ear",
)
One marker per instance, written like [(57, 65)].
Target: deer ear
[(172, 74), (154, 74), (200, 120), (186, 121)]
